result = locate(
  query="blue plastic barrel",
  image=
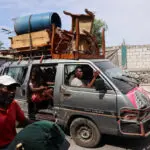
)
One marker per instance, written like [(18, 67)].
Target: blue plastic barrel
[(36, 22)]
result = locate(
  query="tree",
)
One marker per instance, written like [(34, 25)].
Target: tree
[(96, 30), (1, 45)]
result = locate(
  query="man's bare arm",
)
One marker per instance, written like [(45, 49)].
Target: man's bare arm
[(95, 74)]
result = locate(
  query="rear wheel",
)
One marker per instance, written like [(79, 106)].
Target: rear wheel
[(85, 133)]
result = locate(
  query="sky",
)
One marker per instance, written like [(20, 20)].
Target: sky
[(127, 20)]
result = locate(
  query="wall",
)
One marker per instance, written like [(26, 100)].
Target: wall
[(138, 60)]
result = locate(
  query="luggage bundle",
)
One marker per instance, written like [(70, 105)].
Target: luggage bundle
[(43, 33)]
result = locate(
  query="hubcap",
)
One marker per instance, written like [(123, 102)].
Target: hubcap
[(84, 132)]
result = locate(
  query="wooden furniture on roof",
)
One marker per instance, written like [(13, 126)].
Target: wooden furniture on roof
[(62, 44)]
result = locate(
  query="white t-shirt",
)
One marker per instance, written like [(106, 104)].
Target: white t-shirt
[(76, 82)]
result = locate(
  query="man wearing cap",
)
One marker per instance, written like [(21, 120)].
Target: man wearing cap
[(10, 111)]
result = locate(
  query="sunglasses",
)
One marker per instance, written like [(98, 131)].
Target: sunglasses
[(9, 88)]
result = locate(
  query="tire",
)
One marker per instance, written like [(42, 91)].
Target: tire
[(85, 133)]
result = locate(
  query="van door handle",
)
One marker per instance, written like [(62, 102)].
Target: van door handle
[(67, 94), (64, 92)]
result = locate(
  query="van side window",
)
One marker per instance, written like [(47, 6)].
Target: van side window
[(69, 73), (41, 85), (18, 73), (80, 76)]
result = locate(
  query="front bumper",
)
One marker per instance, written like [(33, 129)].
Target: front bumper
[(134, 122)]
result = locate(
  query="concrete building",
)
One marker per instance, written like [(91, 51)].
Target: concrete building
[(137, 60)]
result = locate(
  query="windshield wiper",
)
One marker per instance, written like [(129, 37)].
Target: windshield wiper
[(127, 81), (136, 81)]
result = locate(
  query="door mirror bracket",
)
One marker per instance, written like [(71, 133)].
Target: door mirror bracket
[(100, 85)]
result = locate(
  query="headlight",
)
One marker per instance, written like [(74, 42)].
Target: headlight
[(142, 100)]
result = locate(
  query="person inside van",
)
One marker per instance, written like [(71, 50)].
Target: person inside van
[(49, 75), (10, 111), (40, 92), (77, 80)]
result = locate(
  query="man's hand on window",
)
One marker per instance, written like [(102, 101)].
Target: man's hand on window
[(95, 74)]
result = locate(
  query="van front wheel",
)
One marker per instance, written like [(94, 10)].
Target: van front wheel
[(85, 133)]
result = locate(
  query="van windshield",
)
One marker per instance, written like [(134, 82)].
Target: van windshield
[(124, 82), (18, 73)]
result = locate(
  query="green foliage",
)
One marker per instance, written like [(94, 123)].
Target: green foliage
[(1, 45), (98, 25)]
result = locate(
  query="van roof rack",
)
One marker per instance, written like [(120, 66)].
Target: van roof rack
[(31, 54)]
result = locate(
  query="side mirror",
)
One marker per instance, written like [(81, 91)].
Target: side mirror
[(100, 85)]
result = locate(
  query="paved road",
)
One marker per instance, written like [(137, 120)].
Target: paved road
[(117, 143), (114, 143)]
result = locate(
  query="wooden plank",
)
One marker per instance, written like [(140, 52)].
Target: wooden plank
[(53, 38), (38, 39), (75, 56), (77, 34)]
